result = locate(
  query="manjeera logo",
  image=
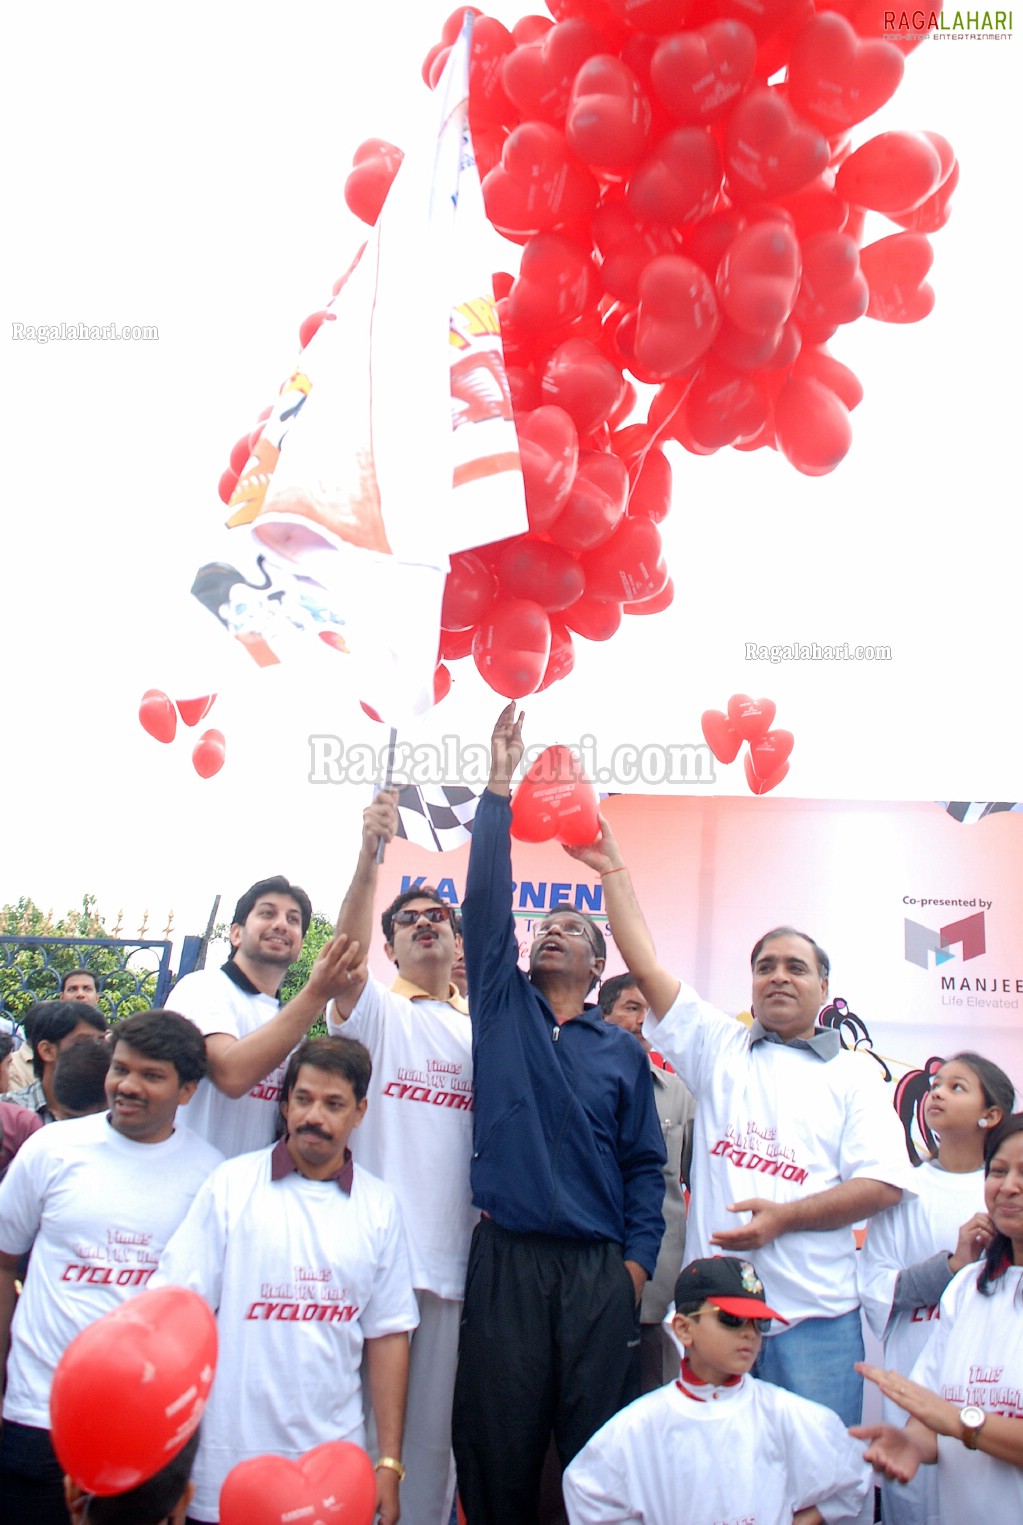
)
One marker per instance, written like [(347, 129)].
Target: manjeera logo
[(964, 938)]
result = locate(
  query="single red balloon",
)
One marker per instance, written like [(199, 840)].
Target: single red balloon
[(534, 569), (512, 646), (208, 754), (194, 710), (555, 800), (760, 785), (699, 75), (549, 450), (595, 618), (895, 269), (581, 379), (334, 1482), (892, 173), (595, 506), (758, 278), (131, 1388), (678, 315), (608, 119), (469, 590), (157, 715), (629, 567), (769, 150), (836, 78), (751, 717), (720, 735)]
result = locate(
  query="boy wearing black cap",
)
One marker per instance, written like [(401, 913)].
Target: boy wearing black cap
[(717, 1444)]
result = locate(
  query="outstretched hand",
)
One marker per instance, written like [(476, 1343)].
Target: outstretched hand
[(768, 1222), (891, 1452), (600, 855), (506, 748)]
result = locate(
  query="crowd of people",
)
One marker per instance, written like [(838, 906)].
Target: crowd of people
[(548, 1243)]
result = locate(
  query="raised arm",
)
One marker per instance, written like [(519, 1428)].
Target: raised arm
[(355, 918), (235, 1065), (488, 926), (628, 924)]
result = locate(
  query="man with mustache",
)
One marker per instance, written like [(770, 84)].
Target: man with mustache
[(417, 1135), (301, 1254)]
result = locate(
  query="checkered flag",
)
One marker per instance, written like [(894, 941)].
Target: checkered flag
[(966, 812), (438, 817)]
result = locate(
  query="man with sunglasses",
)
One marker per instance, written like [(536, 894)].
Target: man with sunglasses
[(566, 1168), (417, 1135)]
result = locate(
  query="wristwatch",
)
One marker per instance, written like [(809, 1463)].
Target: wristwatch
[(972, 1420), (394, 1465)]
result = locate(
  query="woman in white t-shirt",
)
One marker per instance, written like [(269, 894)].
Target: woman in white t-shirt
[(966, 1392), (914, 1249)]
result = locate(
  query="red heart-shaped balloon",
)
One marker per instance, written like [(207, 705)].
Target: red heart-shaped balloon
[(763, 785), (699, 75), (769, 150), (562, 658), (931, 215), (679, 180), (334, 1482), (891, 173), (539, 183), (724, 405), (751, 717), (649, 482), (596, 504), (895, 269), (655, 604), (608, 118), (720, 735), (769, 751), (531, 568), (537, 75), (374, 166), (549, 450), (595, 618), (581, 379), (555, 800), (833, 289), (156, 715), (678, 315), (835, 78), (811, 426), (469, 590), (512, 646), (194, 710), (758, 277), (555, 283), (208, 754), (629, 567)]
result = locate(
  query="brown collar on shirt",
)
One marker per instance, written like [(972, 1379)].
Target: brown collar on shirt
[(281, 1165), (416, 993)]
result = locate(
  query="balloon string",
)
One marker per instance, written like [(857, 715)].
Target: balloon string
[(661, 428)]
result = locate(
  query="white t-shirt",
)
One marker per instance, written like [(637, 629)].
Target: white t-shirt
[(752, 1458), (776, 1121), (96, 1209), (975, 1355), (417, 1131), (299, 1274), (213, 1001), (901, 1236)]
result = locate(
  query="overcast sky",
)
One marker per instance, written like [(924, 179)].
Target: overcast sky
[(184, 168)]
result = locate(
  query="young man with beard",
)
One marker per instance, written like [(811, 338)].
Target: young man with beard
[(301, 1255), (249, 1035), (95, 1199), (567, 1172), (417, 1136)]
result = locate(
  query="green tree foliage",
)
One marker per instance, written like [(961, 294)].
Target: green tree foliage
[(33, 972)]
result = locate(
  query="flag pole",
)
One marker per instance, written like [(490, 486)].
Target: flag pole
[(388, 774)]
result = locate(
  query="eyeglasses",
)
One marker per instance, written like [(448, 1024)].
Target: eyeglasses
[(570, 928), (434, 914), (734, 1320)]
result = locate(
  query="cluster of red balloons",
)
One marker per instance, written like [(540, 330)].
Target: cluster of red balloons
[(766, 761), (688, 221), (158, 715), (555, 801), (334, 1481)]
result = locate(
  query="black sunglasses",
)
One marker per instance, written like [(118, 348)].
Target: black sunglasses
[(435, 914), (735, 1320)]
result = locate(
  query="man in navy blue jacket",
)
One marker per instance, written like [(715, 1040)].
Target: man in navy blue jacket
[(567, 1170)]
